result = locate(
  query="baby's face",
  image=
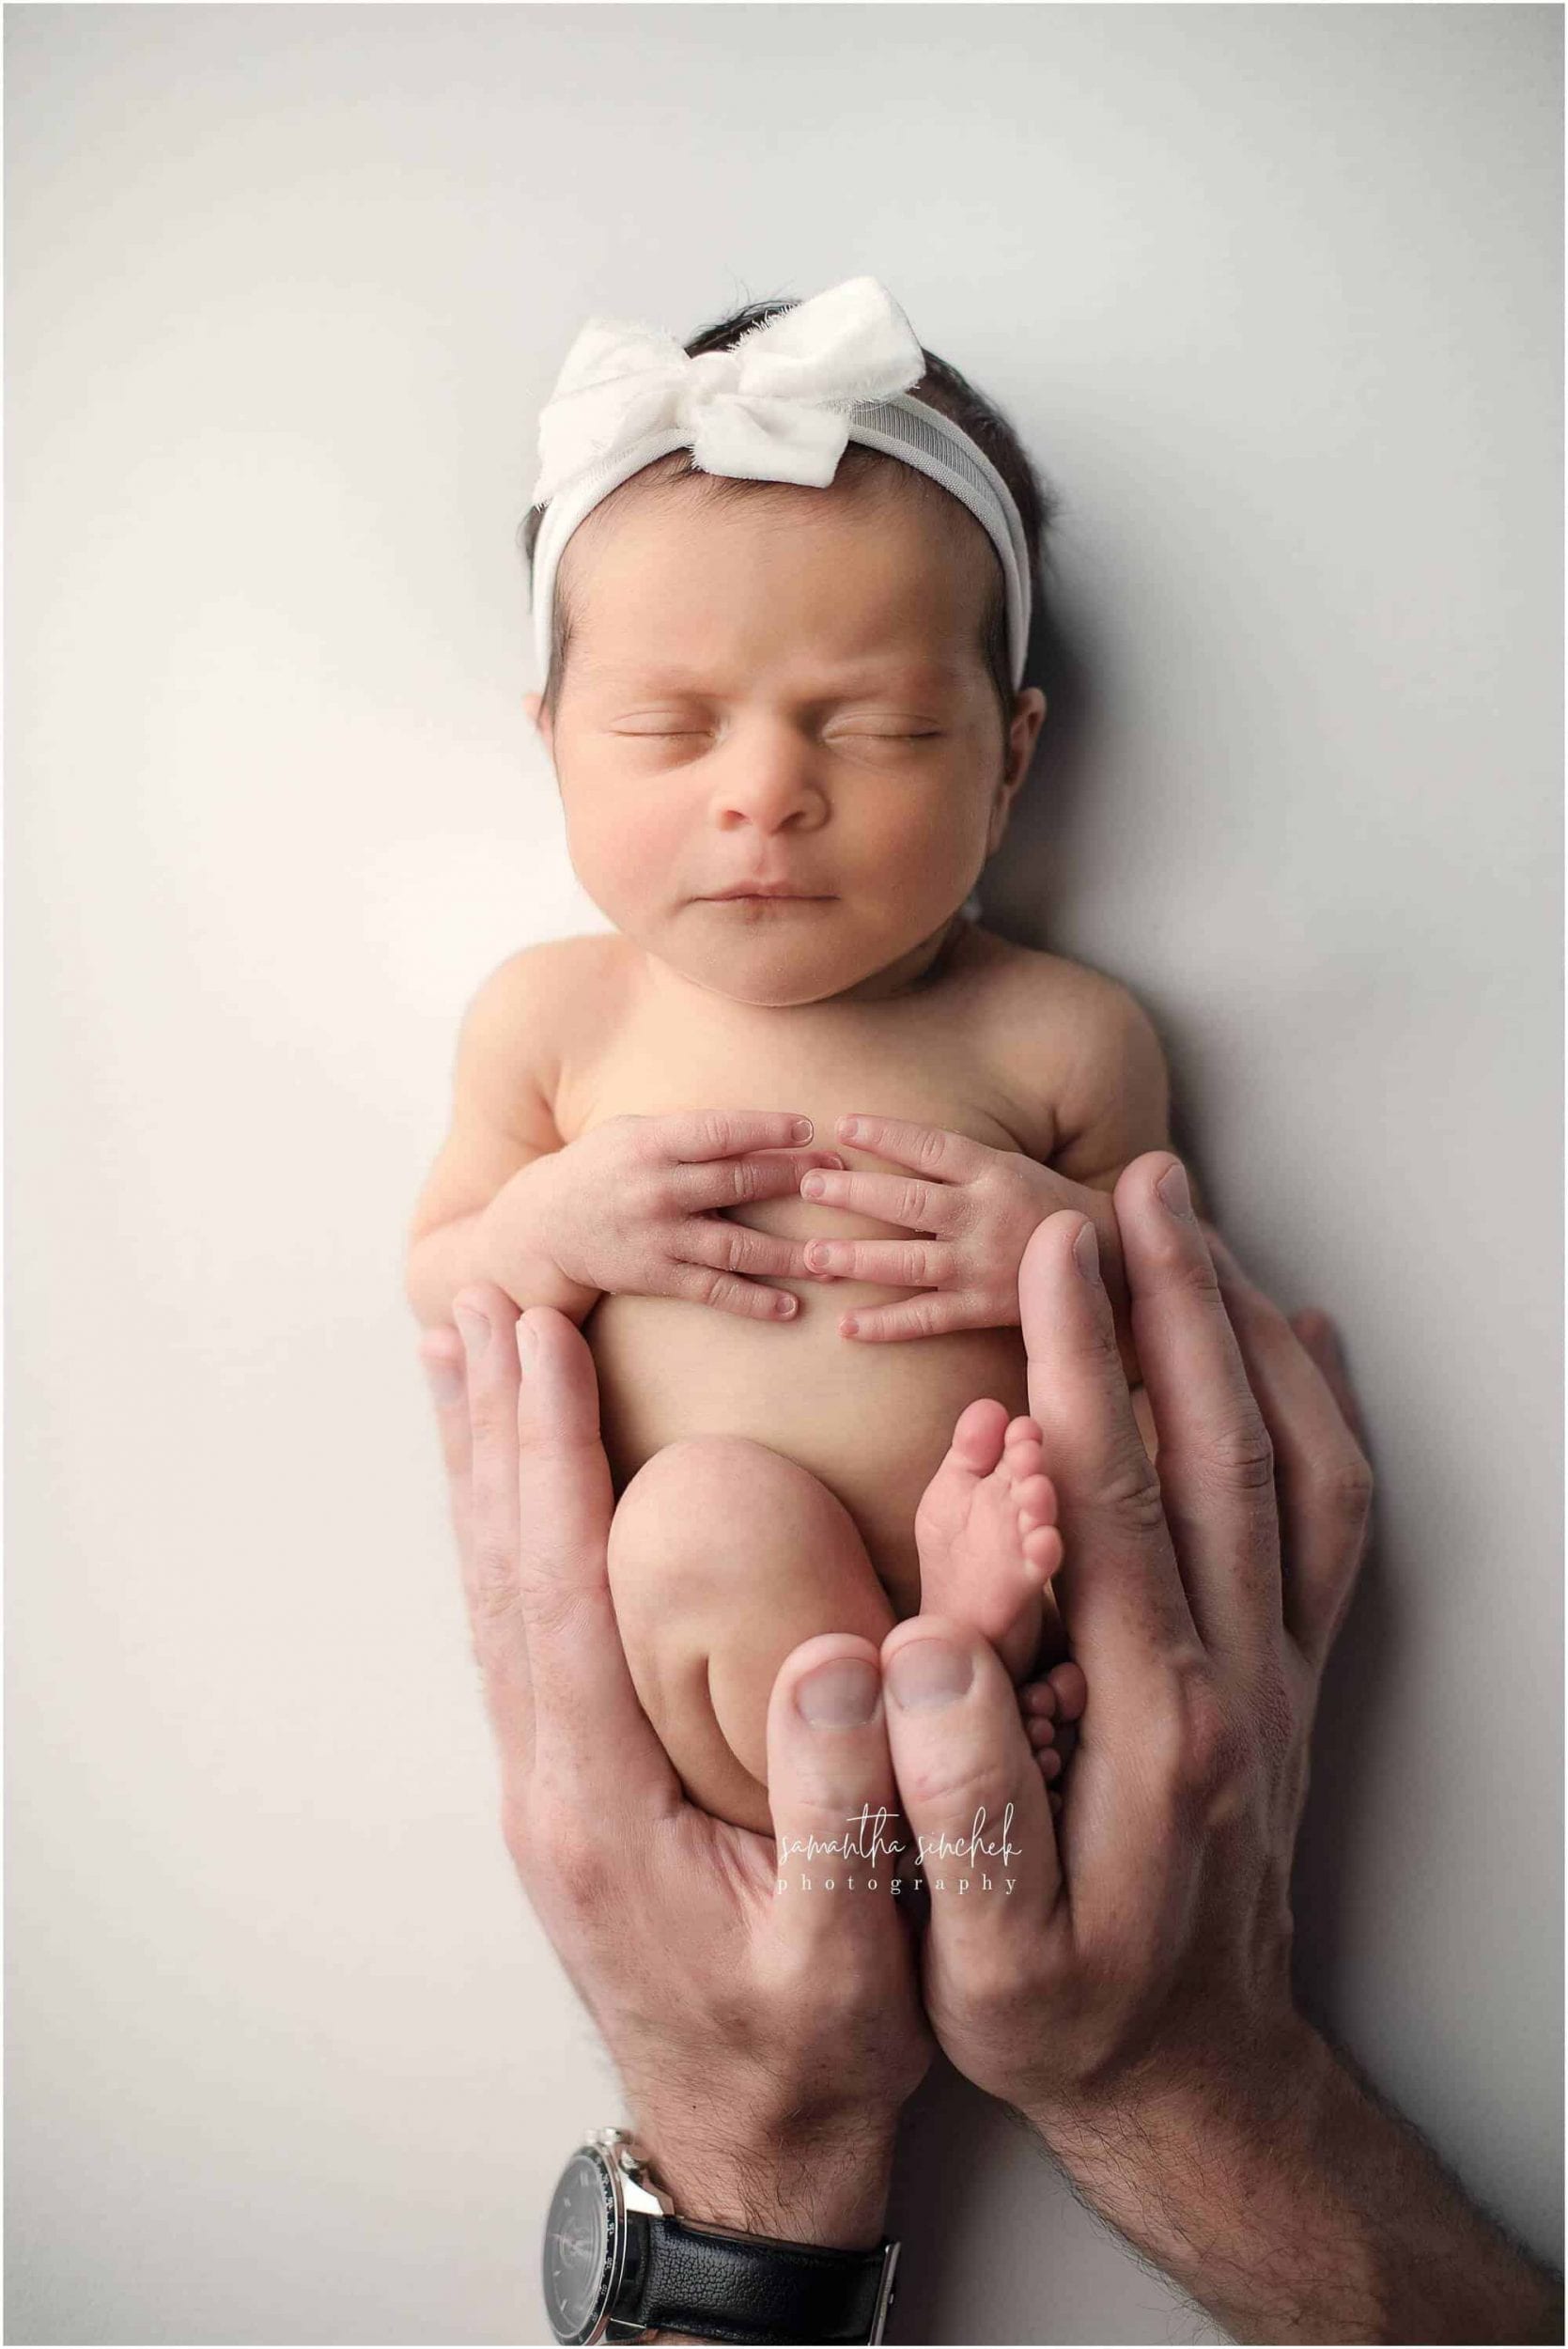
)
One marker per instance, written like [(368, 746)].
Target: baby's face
[(790, 696)]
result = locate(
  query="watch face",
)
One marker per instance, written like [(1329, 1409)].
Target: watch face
[(580, 2238)]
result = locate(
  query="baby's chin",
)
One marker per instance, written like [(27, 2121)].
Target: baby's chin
[(778, 962)]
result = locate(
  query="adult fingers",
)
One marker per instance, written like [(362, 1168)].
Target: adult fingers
[(1216, 1459), (1118, 1591), (835, 1818), (972, 1793), (486, 1317), (444, 1362), (1322, 1473), (1321, 1339), (593, 1746)]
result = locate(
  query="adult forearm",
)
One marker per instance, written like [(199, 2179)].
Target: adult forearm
[(1293, 2205)]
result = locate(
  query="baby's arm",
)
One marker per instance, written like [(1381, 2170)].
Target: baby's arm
[(632, 1206), (502, 1124), (1114, 1098)]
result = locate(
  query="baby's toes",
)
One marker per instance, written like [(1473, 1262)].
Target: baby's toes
[(1071, 1690), (978, 1435), (1042, 1552), (1023, 1449), (1037, 1698)]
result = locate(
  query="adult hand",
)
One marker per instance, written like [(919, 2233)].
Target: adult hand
[(1132, 1995), (766, 2044)]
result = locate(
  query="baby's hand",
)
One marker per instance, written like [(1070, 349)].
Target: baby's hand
[(627, 1209), (979, 1206)]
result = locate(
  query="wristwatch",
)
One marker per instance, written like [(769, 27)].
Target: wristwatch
[(619, 2264)]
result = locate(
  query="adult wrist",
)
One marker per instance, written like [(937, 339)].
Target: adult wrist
[(828, 2185), (1203, 2157)]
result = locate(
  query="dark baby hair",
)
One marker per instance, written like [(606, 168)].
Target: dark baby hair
[(941, 387)]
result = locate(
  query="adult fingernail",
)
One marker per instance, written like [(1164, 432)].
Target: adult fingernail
[(1086, 1249), (447, 1379), (474, 1328), (839, 1695), (1172, 1189), (927, 1673)]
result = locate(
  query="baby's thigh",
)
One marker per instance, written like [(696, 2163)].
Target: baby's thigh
[(723, 1555)]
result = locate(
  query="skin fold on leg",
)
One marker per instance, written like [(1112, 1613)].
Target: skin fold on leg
[(724, 1557)]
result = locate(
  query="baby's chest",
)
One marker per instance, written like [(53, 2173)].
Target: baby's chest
[(927, 1076)]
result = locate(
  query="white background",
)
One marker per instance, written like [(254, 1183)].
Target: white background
[(1272, 295)]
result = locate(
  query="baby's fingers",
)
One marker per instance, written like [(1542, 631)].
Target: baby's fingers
[(735, 1248), (699, 1284), (697, 1189), (929, 1316)]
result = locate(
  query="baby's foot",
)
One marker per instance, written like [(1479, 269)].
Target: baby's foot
[(1052, 1709), (986, 1534)]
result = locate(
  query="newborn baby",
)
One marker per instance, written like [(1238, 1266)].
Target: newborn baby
[(777, 1143)]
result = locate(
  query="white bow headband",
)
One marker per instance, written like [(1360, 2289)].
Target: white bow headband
[(779, 406)]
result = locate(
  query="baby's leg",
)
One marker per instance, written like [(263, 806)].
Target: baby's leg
[(989, 1545), (724, 1556)]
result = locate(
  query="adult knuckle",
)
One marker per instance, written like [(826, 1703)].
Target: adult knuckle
[(1129, 1497), (567, 1857), (1241, 1453), (1345, 1489)]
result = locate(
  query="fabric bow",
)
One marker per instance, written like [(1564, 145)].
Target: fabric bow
[(775, 408)]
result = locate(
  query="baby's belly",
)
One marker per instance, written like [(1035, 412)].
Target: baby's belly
[(872, 1420)]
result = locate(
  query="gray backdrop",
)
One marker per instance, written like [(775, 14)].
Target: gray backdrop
[(1273, 295)]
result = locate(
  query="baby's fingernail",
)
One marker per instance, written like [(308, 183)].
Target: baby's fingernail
[(839, 1695), (819, 1256), (927, 1673), (787, 1305), (849, 1127), (804, 1130), (812, 1185)]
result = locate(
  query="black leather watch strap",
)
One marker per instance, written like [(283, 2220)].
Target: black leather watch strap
[(691, 2279)]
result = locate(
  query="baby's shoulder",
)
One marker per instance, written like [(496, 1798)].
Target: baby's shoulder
[(1034, 998), (558, 979), (530, 1016)]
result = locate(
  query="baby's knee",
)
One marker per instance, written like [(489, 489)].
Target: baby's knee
[(710, 1514), (685, 1515)]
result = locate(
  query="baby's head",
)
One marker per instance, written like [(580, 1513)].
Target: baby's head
[(767, 684)]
